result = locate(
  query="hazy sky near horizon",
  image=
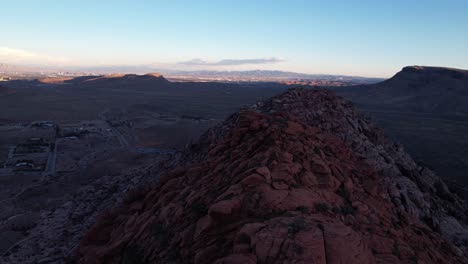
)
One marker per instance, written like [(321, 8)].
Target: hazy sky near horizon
[(367, 38)]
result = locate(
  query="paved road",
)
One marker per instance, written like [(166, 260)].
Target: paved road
[(125, 144), (123, 141), (51, 161), (11, 151), (154, 150)]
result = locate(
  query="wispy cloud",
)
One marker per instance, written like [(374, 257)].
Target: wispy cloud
[(232, 62), (11, 55)]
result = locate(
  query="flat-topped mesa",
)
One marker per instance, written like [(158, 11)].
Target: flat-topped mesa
[(300, 177), (431, 69), (430, 74)]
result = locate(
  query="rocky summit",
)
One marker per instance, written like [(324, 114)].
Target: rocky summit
[(299, 178)]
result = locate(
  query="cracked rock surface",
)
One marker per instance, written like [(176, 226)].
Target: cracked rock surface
[(299, 178)]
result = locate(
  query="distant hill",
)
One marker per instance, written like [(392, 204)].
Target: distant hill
[(437, 90), (134, 79), (108, 81)]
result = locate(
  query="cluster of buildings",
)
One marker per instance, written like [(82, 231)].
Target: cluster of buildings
[(31, 155)]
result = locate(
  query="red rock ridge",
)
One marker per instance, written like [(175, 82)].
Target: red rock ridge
[(279, 185)]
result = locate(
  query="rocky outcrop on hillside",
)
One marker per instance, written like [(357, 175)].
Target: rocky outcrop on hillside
[(299, 178), (53, 234), (414, 190)]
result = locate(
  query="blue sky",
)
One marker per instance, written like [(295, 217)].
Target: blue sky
[(368, 38)]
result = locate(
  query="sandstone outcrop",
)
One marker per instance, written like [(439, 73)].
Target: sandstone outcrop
[(299, 178)]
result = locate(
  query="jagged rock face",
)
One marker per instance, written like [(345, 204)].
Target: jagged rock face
[(414, 190), (287, 183)]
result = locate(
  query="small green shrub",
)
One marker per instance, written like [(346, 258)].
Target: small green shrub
[(336, 210), (347, 209), (296, 226), (162, 234), (131, 255), (303, 209), (343, 192), (199, 209), (396, 250), (321, 207), (299, 249)]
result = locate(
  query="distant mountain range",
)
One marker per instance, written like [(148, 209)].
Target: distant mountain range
[(269, 74), (250, 75), (253, 73)]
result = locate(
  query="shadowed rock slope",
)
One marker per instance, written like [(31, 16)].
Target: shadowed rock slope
[(417, 89), (425, 108), (299, 178)]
